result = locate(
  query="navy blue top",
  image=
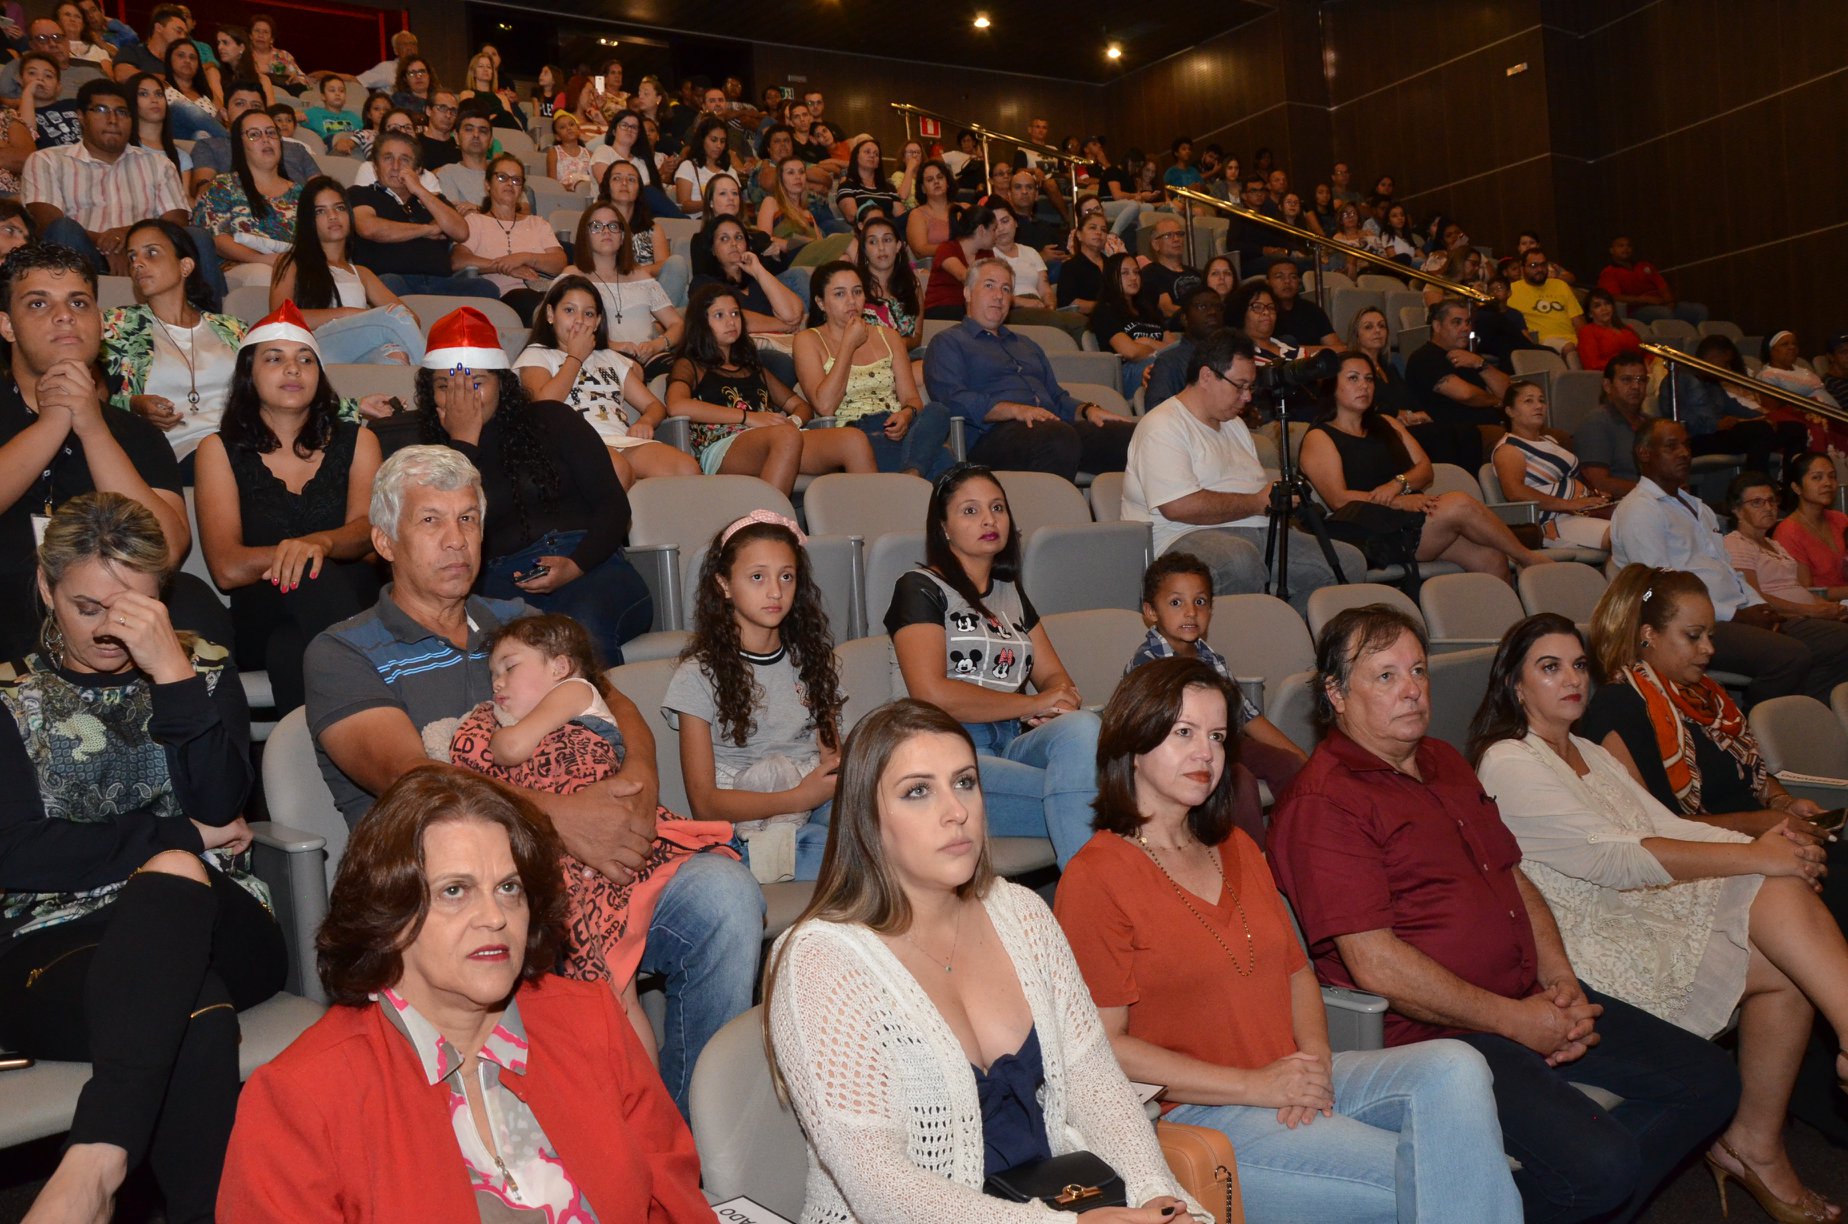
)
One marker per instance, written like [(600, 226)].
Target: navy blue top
[(1013, 1124)]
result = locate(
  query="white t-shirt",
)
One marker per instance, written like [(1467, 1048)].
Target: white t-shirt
[(602, 154), (349, 287), (628, 308), (1172, 454), (697, 177), (1028, 267), (212, 363), (597, 394)]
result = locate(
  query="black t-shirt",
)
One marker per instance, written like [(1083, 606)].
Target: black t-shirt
[(1110, 175), (418, 257), (438, 153), (67, 475), (1158, 280), (1429, 366), (1724, 786), (1108, 321), (1079, 278), (751, 295), (1039, 234), (142, 58), (58, 124), (1303, 323)]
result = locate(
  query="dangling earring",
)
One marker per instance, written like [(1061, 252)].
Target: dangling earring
[(51, 638)]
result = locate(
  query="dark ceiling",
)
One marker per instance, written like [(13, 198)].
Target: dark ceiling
[(1053, 38)]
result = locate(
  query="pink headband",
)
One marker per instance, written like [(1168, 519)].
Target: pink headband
[(768, 518)]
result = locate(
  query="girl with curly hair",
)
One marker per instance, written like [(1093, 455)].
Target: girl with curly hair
[(757, 700)]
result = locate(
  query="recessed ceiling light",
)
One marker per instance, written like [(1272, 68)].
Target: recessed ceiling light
[(981, 21), (1113, 52)]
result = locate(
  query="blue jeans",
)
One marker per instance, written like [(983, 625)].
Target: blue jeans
[(675, 275), (191, 123), (661, 204), (1132, 374), (611, 601), (705, 939), (924, 448), (1413, 1141), (1687, 312), (1580, 1163), (65, 231), (1040, 783), (402, 283), (367, 338), (1125, 216)]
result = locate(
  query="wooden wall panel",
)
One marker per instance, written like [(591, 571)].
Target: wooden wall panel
[(1228, 89)]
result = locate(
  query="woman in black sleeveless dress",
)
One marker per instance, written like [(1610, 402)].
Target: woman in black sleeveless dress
[(283, 488), (1356, 454)]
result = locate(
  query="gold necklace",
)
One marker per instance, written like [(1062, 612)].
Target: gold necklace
[(1251, 944), (949, 965)]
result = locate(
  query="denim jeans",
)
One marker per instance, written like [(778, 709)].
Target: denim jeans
[(1040, 783), (1579, 1162), (191, 123), (367, 338), (1125, 216), (402, 283), (661, 204), (705, 938), (924, 448), (1133, 370), (611, 601), (65, 231), (675, 275), (1236, 557), (1413, 1140)]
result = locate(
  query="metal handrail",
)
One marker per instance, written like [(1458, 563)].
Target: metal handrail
[(985, 135), (1676, 357), (1314, 239)]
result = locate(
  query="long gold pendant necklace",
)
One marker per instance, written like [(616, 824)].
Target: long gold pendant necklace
[(1251, 945)]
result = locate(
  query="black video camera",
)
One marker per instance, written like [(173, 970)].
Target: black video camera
[(1282, 378)]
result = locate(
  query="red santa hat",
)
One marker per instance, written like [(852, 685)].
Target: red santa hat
[(283, 323), (464, 338)]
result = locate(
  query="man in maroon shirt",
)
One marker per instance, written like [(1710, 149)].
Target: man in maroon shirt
[(1408, 885), (1637, 284)]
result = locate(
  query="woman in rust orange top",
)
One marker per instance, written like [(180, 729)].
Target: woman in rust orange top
[(1187, 948)]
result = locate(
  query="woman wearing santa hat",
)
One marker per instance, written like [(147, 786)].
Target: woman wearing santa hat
[(283, 488), (557, 515)]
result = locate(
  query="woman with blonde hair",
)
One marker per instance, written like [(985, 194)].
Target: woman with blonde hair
[(927, 1019)]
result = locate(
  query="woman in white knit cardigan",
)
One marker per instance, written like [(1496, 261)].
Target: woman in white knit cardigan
[(913, 968)]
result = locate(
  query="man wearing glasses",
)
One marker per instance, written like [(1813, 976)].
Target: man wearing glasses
[(45, 37), (439, 135), (212, 156), (1166, 277), (1549, 307), (1195, 477), (86, 195)]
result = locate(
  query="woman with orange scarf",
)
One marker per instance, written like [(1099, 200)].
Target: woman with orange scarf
[(1685, 739)]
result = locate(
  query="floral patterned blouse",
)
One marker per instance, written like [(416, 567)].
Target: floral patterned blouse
[(128, 345), (224, 210), (9, 181), (527, 1177)]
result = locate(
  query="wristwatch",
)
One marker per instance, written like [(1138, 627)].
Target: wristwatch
[(1405, 486)]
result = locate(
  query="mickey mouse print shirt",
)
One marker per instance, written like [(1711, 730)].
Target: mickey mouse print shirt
[(991, 650)]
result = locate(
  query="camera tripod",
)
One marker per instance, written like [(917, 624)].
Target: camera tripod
[(1291, 496)]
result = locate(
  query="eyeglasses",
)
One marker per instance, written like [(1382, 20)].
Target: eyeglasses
[(442, 106), (1243, 388), (1261, 308), (46, 40), (411, 72), (604, 227), (106, 112), (518, 180), (262, 134), (401, 129), (1757, 502)]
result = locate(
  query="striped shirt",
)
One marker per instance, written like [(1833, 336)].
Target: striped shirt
[(101, 195), (1548, 467)]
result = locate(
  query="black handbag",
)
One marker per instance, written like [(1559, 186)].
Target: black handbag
[(1385, 535), (1076, 1181)]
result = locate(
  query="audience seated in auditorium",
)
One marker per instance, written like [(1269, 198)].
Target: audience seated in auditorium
[(1781, 355), (1606, 440), (43, 119), (544, 1101), (283, 487), (1440, 921), (249, 211), (568, 358), (331, 120), (1601, 334), (134, 933), (1530, 240), (1195, 477), (1126, 324), (381, 75), (1729, 419), (508, 244), (1455, 386), (894, 298), (212, 156), (1660, 523), (1362, 462), (1166, 273), (167, 25), (756, 700), (1682, 919), (1635, 283), (1202, 314), (858, 1014), (55, 420), (643, 322), (972, 238), (1318, 1135), (415, 86), (1299, 320), (46, 37), (1177, 606), (1548, 305), (355, 318), (465, 180), (878, 396), (745, 419), (770, 307), (1532, 466), (1081, 276), (1018, 415), (169, 358), (371, 718), (1813, 533), (967, 639), (1033, 296), (406, 230), (1501, 331), (1761, 557)]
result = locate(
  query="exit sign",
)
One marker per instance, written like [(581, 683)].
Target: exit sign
[(932, 128)]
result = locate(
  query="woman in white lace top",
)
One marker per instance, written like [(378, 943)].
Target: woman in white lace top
[(1683, 919), (907, 1006)]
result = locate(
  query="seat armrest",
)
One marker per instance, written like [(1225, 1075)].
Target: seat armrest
[(1516, 514), (1356, 1019), (659, 566), (291, 863), (677, 432), (959, 438)]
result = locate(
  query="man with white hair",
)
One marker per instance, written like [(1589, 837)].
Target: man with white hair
[(385, 682), (382, 74), (999, 382)]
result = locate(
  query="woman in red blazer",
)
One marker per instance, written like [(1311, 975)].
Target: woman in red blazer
[(454, 1078)]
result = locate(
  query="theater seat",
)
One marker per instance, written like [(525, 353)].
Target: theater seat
[(748, 1139)]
